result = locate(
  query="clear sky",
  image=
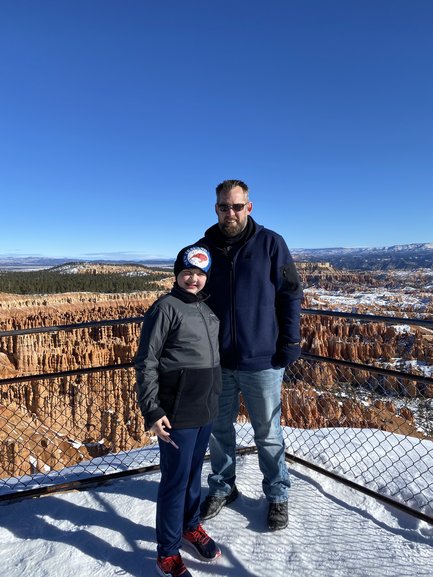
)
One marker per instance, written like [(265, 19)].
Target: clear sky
[(119, 117)]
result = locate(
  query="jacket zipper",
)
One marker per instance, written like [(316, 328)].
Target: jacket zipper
[(232, 299), (212, 356), (233, 310)]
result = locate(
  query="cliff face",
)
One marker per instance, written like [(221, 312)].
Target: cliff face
[(67, 350), (25, 311), (27, 446), (305, 408), (372, 343), (53, 423), (390, 293)]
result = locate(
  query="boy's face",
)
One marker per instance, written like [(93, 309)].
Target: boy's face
[(192, 280)]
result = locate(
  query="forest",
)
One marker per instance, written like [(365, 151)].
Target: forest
[(50, 282)]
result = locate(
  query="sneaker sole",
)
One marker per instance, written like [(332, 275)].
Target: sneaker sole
[(189, 546), (161, 572), (278, 528), (232, 497)]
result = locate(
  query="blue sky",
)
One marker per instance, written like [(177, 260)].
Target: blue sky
[(119, 117)]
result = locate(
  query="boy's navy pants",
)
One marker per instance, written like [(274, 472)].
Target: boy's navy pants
[(179, 492)]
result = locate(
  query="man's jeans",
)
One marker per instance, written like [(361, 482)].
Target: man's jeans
[(261, 391)]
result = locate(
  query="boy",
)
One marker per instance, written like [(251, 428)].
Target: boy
[(178, 384)]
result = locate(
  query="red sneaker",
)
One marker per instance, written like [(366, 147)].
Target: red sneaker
[(172, 566), (206, 547)]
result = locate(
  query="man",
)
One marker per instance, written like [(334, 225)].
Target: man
[(256, 293)]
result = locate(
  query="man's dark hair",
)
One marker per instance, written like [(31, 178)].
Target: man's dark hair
[(227, 185)]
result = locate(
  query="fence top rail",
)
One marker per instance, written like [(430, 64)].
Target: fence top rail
[(370, 318), (57, 328), (306, 356), (69, 373), (136, 320), (369, 368)]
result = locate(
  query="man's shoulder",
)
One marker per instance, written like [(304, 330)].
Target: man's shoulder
[(269, 232), (266, 233)]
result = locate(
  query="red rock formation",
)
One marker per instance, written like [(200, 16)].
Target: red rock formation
[(28, 446), (61, 421), (303, 407)]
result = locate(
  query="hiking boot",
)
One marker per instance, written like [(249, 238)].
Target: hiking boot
[(213, 504), (278, 516), (206, 547), (172, 566)]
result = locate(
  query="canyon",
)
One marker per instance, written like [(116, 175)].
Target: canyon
[(54, 422)]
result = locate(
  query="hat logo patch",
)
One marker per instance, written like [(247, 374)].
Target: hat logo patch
[(197, 257)]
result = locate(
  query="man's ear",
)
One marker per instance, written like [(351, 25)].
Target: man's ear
[(216, 209), (250, 208)]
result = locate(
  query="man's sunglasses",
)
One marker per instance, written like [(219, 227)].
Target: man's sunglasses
[(235, 207)]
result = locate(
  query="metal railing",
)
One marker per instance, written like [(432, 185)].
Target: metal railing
[(369, 424)]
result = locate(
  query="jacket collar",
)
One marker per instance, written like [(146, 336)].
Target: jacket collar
[(187, 297), (216, 237)]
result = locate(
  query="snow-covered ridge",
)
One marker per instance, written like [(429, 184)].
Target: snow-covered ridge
[(354, 250), (102, 268), (419, 249)]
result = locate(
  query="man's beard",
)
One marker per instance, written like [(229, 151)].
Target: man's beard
[(231, 229)]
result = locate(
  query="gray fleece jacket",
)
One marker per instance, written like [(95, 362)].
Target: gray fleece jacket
[(177, 362)]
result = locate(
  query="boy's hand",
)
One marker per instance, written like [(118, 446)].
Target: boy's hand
[(159, 429)]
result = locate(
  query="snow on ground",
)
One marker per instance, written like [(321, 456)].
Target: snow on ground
[(376, 298), (106, 531), (393, 465)]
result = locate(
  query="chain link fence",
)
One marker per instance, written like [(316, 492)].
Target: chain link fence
[(360, 423), (367, 423)]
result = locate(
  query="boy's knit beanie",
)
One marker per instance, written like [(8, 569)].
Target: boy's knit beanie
[(193, 256)]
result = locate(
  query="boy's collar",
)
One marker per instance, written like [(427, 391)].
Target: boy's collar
[(187, 297)]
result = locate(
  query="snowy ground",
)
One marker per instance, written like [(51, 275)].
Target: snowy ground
[(401, 301), (109, 531)]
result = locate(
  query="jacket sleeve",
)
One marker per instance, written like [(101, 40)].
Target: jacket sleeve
[(154, 332), (288, 300)]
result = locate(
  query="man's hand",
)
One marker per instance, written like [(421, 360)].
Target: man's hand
[(287, 355)]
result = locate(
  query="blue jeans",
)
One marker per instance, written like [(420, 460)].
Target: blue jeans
[(261, 391), (179, 492)]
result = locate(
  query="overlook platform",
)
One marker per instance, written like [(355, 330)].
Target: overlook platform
[(368, 425), (334, 531)]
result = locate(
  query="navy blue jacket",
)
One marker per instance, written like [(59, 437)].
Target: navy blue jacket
[(257, 297)]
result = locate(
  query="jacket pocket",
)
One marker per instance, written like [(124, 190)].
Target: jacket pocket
[(171, 385)]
